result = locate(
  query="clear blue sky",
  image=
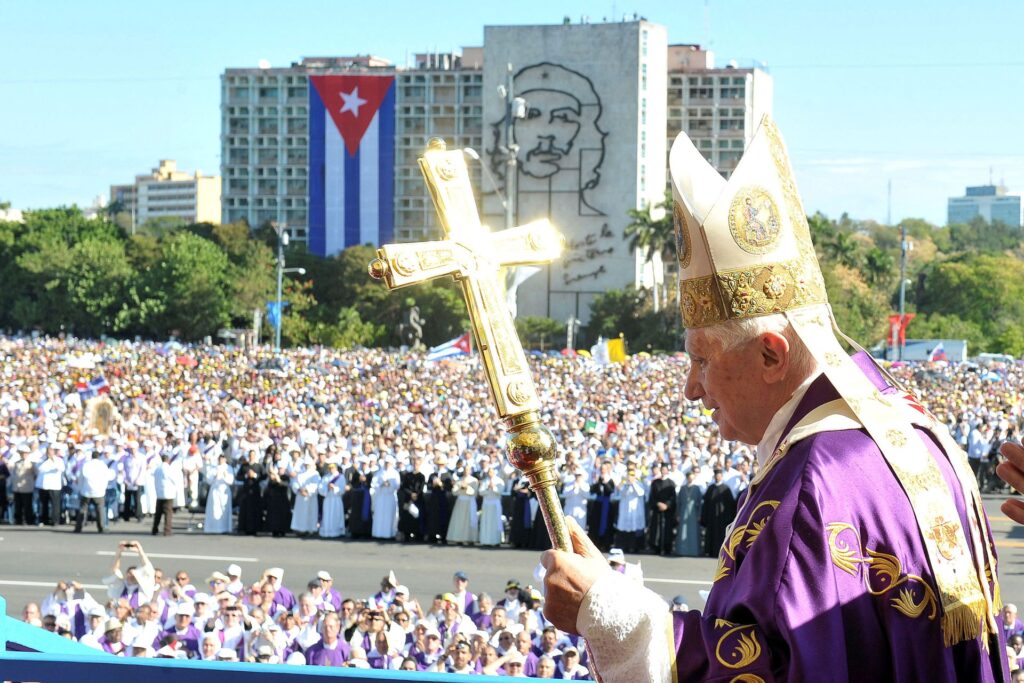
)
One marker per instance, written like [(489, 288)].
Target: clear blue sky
[(925, 93)]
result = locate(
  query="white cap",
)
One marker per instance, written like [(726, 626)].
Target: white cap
[(234, 570), (185, 609), (324, 575), (296, 659), (402, 589), (276, 572)]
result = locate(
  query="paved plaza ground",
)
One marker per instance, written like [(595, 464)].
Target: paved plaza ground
[(33, 559)]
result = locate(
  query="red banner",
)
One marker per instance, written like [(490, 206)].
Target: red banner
[(898, 327)]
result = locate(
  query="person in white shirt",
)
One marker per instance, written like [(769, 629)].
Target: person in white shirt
[(49, 482), (168, 482), (92, 488)]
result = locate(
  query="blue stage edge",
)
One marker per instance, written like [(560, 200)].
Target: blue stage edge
[(33, 654)]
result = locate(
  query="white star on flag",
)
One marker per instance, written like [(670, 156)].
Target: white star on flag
[(352, 101)]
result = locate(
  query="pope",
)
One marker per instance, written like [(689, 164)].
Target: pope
[(860, 551)]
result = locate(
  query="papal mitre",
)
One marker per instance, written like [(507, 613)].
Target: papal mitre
[(743, 245)]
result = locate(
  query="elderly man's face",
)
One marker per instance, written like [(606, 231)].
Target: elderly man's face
[(727, 382)]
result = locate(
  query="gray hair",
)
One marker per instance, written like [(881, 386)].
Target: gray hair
[(732, 333)]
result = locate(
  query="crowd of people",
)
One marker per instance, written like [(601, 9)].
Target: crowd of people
[(377, 444), (147, 613)]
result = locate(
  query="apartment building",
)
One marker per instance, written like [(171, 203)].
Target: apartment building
[(166, 192)]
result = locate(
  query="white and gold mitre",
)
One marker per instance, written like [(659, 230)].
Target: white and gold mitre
[(743, 245)]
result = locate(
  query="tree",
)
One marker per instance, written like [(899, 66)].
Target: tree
[(879, 267), (628, 312), (843, 248), (192, 281), (860, 311), (541, 332), (653, 235)]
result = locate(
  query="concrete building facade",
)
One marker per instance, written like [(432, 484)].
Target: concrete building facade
[(719, 108), (166, 192), (990, 202), (589, 139)]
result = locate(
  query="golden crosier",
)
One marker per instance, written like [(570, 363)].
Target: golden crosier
[(474, 257)]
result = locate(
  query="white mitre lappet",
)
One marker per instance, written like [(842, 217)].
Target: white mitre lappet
[(745, 250)]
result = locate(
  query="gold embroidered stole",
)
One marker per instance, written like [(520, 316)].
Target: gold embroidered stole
[(967, 603)]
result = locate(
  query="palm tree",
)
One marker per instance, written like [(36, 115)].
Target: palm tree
[(843, 248), (653, 235), (878, 266)]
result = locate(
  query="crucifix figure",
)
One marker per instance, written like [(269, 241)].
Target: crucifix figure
[(473, 256)]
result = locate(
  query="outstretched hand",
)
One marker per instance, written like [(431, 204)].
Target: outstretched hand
[(568, 577), (1012, 472)]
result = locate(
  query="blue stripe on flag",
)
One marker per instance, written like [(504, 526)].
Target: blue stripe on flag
[(317, 209), (352, 198), (386, 146)]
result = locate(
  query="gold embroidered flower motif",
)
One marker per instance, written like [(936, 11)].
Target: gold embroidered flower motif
[(775, 286), (740, 646), (884, 574), (749, 531)]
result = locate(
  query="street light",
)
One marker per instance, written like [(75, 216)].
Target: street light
[(282, 242)]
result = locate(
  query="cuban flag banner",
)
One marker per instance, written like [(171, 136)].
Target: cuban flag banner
[(456, 347), (351, 161)]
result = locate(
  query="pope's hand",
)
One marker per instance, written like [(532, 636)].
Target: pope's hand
[(568, 577), (1012, 472)]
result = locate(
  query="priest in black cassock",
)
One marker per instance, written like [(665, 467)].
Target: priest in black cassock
[(717, 511), (661, 507), (411, 513), (250, 501)]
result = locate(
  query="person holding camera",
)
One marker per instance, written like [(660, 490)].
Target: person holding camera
[(138, 583)]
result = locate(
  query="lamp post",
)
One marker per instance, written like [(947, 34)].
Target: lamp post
[(282, 242)]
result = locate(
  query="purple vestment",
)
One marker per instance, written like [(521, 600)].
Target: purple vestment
[(824, 575), (318, 655)]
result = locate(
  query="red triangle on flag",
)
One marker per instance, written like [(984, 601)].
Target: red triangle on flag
[(462, 343), (352, 102)]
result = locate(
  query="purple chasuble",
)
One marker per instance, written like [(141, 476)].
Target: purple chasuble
[(824, 574), (318, 655)]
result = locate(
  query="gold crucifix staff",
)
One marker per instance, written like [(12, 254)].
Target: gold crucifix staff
[(473, 256)]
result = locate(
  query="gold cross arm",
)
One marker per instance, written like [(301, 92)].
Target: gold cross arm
[(474, 257)]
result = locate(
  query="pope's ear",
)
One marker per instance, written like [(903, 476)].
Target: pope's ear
[(775, 356)]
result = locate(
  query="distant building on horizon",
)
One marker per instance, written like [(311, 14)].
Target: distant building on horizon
[(166, 192), (990, 202)]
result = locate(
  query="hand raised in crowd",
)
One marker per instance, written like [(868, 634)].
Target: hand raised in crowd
[(1012, 472)]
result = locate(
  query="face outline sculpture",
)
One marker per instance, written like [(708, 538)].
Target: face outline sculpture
[(559, 141)]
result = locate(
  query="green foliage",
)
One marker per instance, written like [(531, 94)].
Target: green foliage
[(942, 326), (983, 290), (192, 281), (979, 236), (652, 235), (540, 332), (630, 313), (861, 311)]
